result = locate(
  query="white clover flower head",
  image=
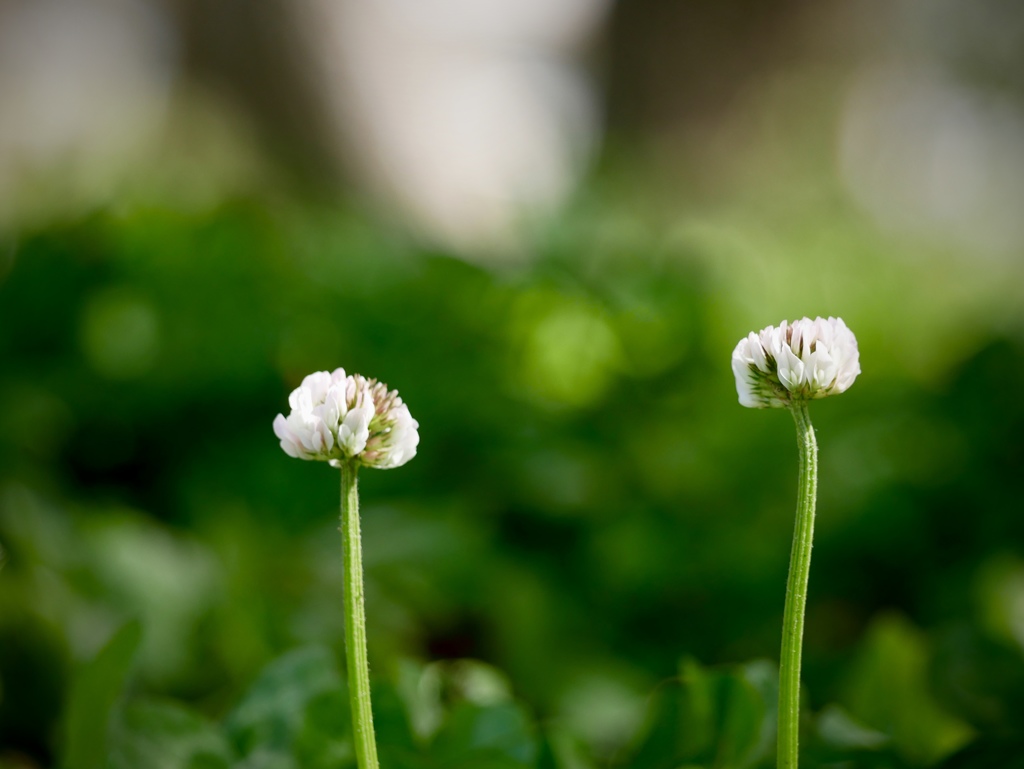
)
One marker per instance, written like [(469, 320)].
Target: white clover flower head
[(336, 417), (803, 360)]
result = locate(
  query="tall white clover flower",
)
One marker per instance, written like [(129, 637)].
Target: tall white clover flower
[(788, 367), (337, 417), (803, 360), (350, 421)]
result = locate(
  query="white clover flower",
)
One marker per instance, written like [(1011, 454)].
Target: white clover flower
[(800, 361), (336, 417)]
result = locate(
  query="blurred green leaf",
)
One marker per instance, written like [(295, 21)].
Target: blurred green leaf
[(562, 750), (273, 711), (391, 723), (164, 735), (1000, 597), (496, 737), (720, 718), (94, 693), (324, 740), (980, 678), (889, 690), (839, 730)]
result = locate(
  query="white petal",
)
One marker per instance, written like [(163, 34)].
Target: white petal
[(355, 429), (791, 369), (316, 385)]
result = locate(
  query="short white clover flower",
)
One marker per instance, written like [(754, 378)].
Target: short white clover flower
[(804, 360), (337, 417)]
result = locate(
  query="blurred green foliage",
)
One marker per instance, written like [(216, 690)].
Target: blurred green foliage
[(590, 512)]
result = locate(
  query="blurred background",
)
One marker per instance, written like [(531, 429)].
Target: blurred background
[(546, 224)]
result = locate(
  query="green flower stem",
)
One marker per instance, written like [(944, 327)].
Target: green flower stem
[(355, 621), (796, 590)]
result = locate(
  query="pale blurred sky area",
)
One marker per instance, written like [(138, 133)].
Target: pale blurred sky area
[(466, 122)]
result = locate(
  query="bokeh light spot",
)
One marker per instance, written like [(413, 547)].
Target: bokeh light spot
[(570, 354), (120, 334)]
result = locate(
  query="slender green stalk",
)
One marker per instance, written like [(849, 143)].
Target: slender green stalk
[(355, 621), (796, 590)]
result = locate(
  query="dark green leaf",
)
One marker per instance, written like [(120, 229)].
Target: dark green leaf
[(163, 735), (890, 691), (94, 694), (708, 718), (497, 737), (325, 738), (272, 712)]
